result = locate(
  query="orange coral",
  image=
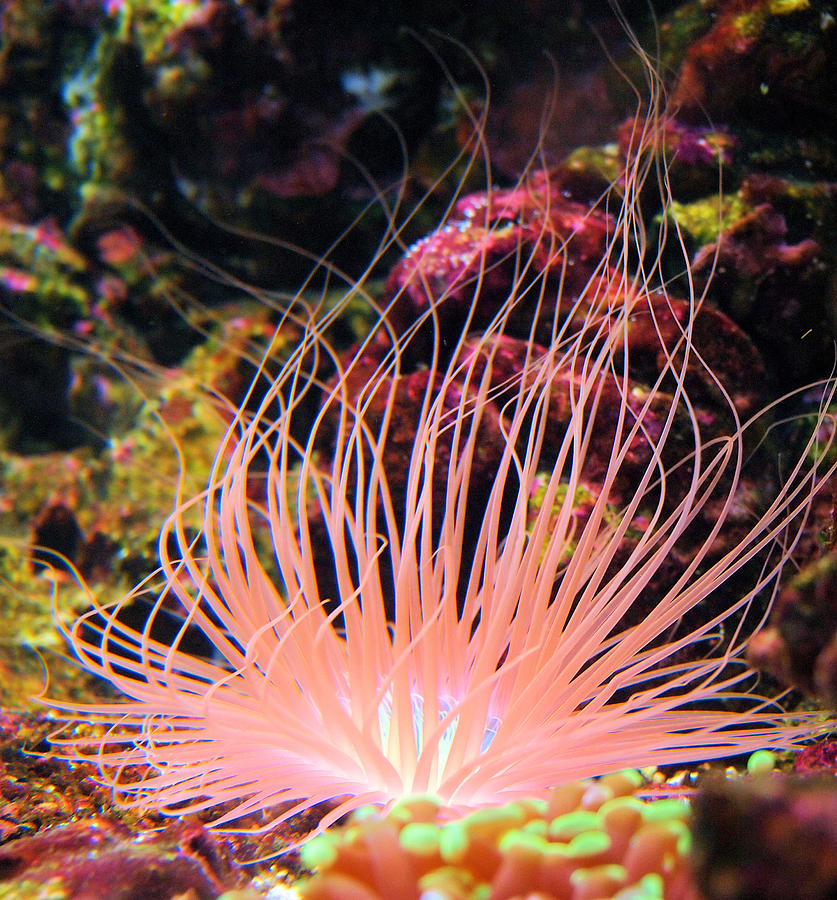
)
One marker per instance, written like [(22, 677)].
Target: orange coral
[(589, 839)]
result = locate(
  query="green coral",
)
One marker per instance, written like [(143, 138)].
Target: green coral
[(679, 30), (605, 162), (99, 150), (705, 218), (149, 23), (45, 275), (786, 7), (751, 23), (583, 500), (54, 889), (105, 105)]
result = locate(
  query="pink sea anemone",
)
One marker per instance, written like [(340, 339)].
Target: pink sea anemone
[(478, 654)]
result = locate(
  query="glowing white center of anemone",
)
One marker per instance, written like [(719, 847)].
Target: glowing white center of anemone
[(422, 730)]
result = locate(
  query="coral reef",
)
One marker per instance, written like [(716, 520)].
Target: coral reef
[(99, 858), (800, 646), (767, 838), (99, 511), (61, 837), (465, 271), (765, 256), (475, 257), (494, 669), (767, 66), (588, 840), (124, 125)]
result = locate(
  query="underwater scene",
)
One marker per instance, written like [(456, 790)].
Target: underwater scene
[(418, 450)]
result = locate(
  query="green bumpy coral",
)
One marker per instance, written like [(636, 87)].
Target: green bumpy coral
[(590, 839)]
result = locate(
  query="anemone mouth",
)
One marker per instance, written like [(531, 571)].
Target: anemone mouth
[(495, 544)]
